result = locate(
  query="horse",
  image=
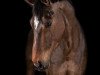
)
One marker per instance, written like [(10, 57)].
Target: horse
[(56, 43)]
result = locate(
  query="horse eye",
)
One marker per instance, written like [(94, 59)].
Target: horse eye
[(50, 13), (48, 24)]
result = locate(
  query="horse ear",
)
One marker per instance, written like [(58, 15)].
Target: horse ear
[(46, 2), (30, 2)]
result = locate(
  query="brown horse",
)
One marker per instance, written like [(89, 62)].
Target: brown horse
[(56, 42)]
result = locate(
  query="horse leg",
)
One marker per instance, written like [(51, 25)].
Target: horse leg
[(69, 68), (63, 68), (74, 69)]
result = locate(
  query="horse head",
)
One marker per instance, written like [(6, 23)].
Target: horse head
[(48, 29)]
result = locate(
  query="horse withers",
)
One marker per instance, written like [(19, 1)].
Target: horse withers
[(56, 43)]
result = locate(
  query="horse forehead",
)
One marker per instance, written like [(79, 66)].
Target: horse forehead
[(36, 22)]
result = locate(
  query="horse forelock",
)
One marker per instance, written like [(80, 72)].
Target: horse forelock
[(38, 9)]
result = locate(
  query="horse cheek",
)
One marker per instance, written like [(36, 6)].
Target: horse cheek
[(58, 30)]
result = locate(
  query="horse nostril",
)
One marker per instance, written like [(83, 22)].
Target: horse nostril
[(38, 66)]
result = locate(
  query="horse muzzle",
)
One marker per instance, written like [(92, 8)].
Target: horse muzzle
[(40, 66)]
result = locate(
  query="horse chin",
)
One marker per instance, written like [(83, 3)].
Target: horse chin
[(39, 69)]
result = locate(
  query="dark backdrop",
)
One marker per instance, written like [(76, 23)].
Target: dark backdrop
[(16, 26)]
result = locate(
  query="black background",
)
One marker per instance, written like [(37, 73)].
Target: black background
[(15, 27)]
